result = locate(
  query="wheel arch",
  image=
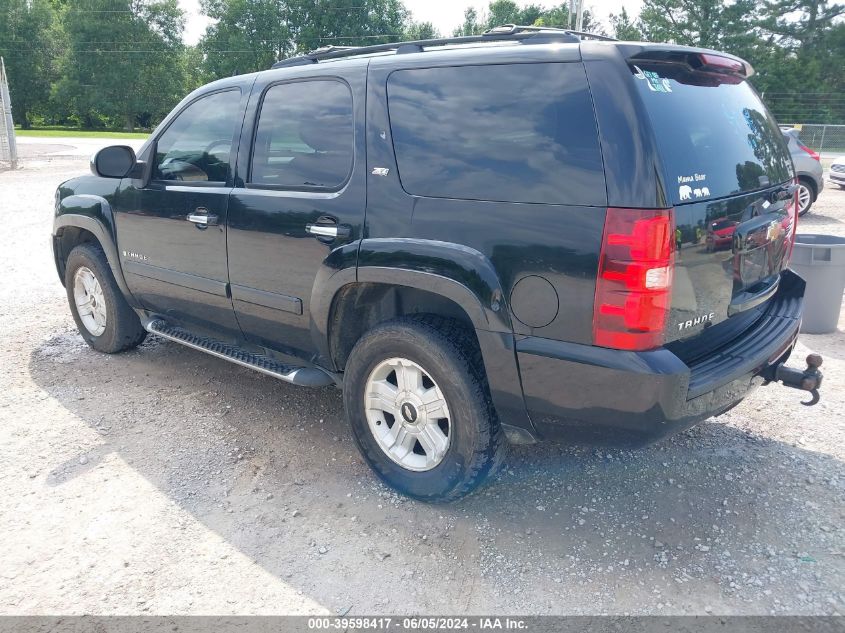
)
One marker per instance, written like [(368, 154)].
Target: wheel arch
[(450, 279), (84, 218), (359, 306)]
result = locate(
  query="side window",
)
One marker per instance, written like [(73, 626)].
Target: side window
[(196, 147), (304, 138), (506, 132)]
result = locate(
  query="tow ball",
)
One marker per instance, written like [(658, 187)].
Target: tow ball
[(809, 379)]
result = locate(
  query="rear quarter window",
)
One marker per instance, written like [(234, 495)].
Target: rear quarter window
[(715, 136), (510, 133)]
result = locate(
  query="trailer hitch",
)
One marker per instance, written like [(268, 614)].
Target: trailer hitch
[(809, 379)]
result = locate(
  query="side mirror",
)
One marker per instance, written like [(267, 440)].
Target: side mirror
[(115, 161)]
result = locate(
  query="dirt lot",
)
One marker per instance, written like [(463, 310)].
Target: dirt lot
[(164, 481)]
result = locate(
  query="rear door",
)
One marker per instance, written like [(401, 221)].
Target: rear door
[(728, 175), (301, 200)]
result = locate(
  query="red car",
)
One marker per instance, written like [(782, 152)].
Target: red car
[(720, 234)]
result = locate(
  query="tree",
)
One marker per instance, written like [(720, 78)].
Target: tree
[(347, 23), (800, 68), (501, 12), (795, 47), (800, 22), (26, 46), (420, 31), (249, 35), (623, 27), (122, 60), (706, 23), (471, 25)]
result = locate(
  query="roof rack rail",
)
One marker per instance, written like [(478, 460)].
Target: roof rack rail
[(510, 29), (505, 32)]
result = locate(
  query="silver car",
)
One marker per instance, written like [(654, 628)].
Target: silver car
[(808, 168)]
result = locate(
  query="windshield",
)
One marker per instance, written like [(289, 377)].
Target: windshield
[(715, 136)]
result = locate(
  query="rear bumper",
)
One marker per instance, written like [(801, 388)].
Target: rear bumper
[(837, 177), (595, 394)]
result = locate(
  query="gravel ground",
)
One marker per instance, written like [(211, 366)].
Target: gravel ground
[(164, 481)]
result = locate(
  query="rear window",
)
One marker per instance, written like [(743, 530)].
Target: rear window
[(510, 133), (714, 134)]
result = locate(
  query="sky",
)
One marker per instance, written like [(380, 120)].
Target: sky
[(446, 15)]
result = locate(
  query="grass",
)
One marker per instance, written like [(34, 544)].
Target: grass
[(65, 132)]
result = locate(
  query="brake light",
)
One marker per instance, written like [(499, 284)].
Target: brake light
[(634, 285), (792, 207), (717, 63), (812, 154)]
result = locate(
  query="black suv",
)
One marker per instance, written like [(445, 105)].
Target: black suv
[(480, 240)]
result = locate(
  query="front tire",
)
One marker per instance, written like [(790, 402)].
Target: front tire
[(103, 317), (418, 403)]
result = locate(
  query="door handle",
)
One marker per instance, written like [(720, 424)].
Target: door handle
[(202, 219), (332, 231)]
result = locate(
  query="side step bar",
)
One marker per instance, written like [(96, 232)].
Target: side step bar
[(304, 376)]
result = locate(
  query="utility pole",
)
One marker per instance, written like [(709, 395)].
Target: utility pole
[(579, 21)]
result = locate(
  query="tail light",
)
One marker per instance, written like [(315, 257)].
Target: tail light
[(812, 154), (634, 285), (792, 207)]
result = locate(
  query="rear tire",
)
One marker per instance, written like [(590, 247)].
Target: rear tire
[(446, 386), (104, 318), (806, 196)]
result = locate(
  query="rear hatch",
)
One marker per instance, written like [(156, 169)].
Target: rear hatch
[(729, 178)]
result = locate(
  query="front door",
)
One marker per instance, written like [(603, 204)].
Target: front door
[(172, 228), (302, 200)]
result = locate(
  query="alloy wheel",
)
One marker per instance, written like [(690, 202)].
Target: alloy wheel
[(805, 198), (90, 301), (408, 414)]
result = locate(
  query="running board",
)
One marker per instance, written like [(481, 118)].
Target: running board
[(304, 376)]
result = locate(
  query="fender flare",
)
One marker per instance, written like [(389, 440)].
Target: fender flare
[(93, 214), (457, 272), (472, 282)]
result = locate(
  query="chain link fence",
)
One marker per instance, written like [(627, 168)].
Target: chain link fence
[(8, 148), (828, 139)]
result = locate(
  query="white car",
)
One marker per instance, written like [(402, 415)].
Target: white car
[(836, 174)]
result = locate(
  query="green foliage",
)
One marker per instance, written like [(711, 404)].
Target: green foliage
[(25, 27), (707, 23), (501, 12), (420, 31), (121, 61), (249, 35), (622, 27), (75, 132), (795, 46), (348, 23)]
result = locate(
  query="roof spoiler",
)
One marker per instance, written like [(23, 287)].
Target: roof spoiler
[(695, 59)]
